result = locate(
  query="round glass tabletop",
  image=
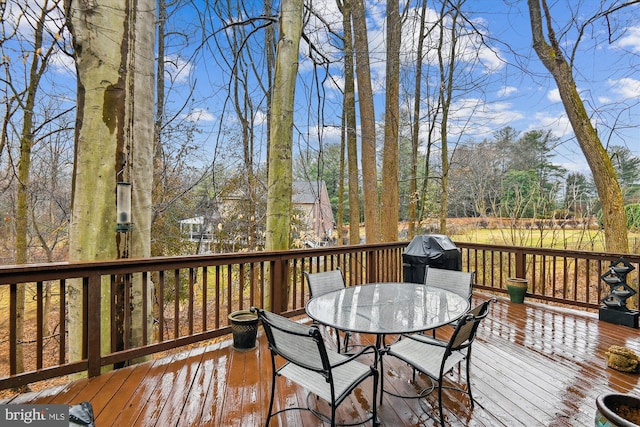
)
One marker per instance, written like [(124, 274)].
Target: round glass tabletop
[(387, 308)]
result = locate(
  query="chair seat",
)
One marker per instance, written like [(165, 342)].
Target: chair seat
[(344, 376), (424, 355)]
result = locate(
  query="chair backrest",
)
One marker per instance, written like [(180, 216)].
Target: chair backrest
[(297, 343), (325, 281), (460, 282), (467, 327)]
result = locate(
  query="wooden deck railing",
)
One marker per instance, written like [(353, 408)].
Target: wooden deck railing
[(559, 276), (189, 298)]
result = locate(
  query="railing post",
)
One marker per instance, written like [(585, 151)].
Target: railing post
[(372, 262), (92, 316), (521, 269), (13, 328), (279, 285)]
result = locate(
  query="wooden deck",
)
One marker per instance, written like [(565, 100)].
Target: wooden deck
[(533, 365)]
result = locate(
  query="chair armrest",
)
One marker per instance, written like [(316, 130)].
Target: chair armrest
[(365, 350), (427, 340)]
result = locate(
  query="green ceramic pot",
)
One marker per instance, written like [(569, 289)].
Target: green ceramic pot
[(517, 289)]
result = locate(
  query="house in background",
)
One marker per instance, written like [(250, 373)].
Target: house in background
[(201, 229), (311, 199), (310, 203)]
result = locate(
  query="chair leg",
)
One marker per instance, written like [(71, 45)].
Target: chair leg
[(347, 336), (375, 391), (440, 401), (381, 372), (469, 379), (333, 414), (273, 392)]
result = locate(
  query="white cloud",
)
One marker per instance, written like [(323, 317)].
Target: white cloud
[(323, 41), (558, 124), (329, 134), (198, 115), (625, 87), (507, 90), (630, 41), (63, 63), (177, 69), (336, 83), (491, 59), (577, 164), (260, 118), (477, 119), (554, 95)]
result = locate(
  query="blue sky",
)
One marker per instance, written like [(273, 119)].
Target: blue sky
[(512, 87), (515, 90)]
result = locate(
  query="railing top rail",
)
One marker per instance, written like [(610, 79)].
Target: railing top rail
[(67, 270), (548, 251)]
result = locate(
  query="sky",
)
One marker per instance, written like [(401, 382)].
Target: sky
[(509, 85), (506, 84)]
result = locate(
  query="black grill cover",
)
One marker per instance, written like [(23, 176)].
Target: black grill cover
[(432, 250)]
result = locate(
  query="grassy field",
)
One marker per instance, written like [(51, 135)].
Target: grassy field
[(575, 239)]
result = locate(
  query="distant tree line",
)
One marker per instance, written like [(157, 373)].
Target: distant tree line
[(511, 175)]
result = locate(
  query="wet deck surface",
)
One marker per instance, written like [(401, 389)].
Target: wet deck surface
[(532, 365)]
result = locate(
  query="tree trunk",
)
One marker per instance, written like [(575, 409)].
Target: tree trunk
[(367, 124), (270, 48), (279, 192), (139, 141), (341, 181), (350, 125), (604, 175), (415, 127), (114, 143), (446, 64), (389, 197), (37, 67)]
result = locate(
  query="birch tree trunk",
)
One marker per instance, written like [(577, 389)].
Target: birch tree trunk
[(114, 45), (280, 173), (604, 175)]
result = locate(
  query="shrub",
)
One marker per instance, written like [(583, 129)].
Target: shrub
[(633, 216)]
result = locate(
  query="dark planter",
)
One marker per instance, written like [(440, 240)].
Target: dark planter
[(244, 327), (517, 289), (617, 410)]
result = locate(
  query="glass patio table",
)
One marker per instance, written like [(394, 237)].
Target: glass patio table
[(387, 308)]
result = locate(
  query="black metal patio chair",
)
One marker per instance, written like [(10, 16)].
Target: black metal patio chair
[(435, 358), (307, 362)]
